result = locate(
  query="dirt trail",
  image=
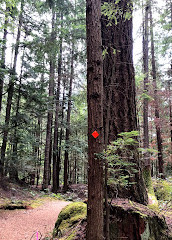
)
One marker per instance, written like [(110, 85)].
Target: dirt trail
[(22, 224)]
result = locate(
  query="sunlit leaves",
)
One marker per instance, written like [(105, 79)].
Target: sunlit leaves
[(114, 11)]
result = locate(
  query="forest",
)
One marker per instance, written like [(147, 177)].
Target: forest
[(85, 119)]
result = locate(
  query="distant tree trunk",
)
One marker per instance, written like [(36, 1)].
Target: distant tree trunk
[(56, 166), (2, 64), (170, 110), (147, 163), (10, 92), (13, 171), (61, 131), (38, 139), (119, 89), (75, 168), (95, 120), (146, 82), (66, 157), (50, 158), (157, 115), (50, 110)]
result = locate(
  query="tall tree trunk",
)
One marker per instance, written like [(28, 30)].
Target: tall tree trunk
[(119, 89), (38, 141), (56, 164), (95, 120), (13, 172), (50, 109), (170, 110), (10, 92), (157, 115), (2, 64), (66, 157), (61, 131), (147, 163)]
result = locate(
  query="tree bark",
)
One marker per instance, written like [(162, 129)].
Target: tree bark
[(95, 120), (61, 131), (3, 55), (13, 171), (50, 109), (119, 89), (146, 82), (66, 157), (56, 166), (157, 115), (170, 117), (10, 92)]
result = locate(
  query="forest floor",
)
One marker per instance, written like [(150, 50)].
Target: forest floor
[(24, 224), (36, 210), (25, 210)]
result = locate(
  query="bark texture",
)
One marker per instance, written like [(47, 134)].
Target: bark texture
[(66, 157), (119, 88), (157, 115), (95, 120), (50, 111)]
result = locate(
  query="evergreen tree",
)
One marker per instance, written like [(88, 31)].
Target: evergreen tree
[(95, 120)]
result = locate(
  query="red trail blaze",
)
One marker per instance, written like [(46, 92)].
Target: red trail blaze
[(95, 134)]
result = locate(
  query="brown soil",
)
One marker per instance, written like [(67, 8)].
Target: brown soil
[(23, 224)]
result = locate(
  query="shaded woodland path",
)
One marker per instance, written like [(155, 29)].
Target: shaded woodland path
[(22, 224)]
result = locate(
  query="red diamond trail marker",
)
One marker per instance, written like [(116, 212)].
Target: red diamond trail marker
[(95, 134)]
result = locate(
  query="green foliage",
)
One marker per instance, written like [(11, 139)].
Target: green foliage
[(114, 11), (146, 96), (163, 189), (120, 155)]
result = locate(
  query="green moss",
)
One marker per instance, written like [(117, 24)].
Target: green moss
[(148, 180), (69, 217), (163, 189), (154, 207), (71, 236)]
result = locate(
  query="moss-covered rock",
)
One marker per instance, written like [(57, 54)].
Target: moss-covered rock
[(68, 220), (134, 221), (128, 220), (163, 189)]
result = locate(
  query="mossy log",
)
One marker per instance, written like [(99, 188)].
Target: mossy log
[(133, 221), (71, 222)]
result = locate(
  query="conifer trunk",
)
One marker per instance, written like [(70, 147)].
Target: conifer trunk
[(147, 164), (157, 115), (2, 65), (56, 167), (95, 120), (50, 111), (170, 117), (66, 157), (10, 93), (119, 89), (61, 130)]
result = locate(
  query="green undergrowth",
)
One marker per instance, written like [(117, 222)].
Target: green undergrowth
[(21, 204), (163, 189), (13, 204), (152, 199), (163, 192), (68, 220), (148, 181), (46, 197)]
